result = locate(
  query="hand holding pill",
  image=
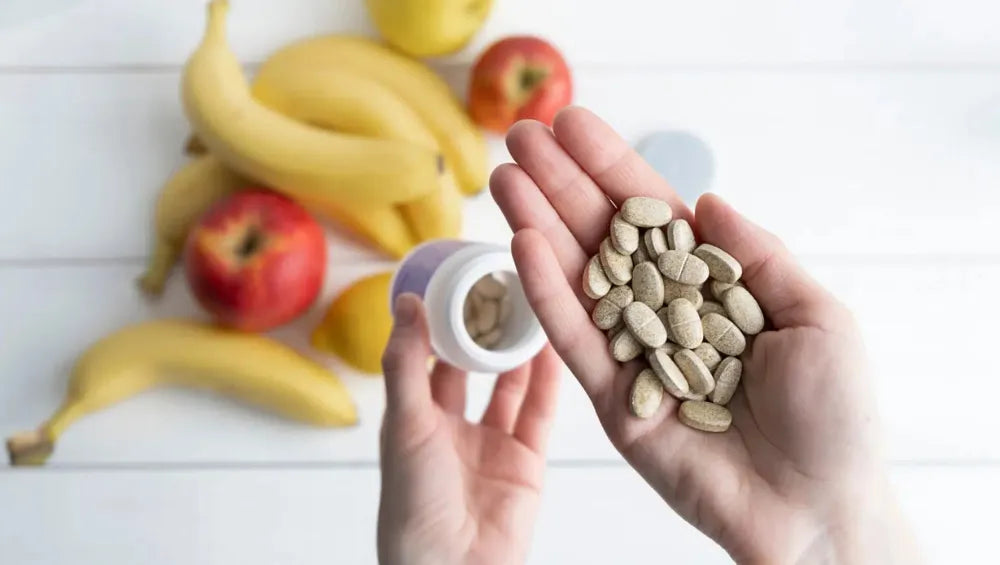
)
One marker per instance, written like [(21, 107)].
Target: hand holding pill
[(775, 452)]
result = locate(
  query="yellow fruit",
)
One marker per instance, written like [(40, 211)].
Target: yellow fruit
[(345, 101), (303, 161), (425, 28), (430, 97), (357, 324), (382, 226), (250, 367), (188, 194), (205, 180)]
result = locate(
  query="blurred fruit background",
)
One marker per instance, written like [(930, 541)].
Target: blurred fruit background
[(819, 119)]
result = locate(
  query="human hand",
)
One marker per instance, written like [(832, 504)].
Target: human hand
[(455, 492), (799, 476)]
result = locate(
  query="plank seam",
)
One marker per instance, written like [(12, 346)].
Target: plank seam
[(611, 67), (172, 467)]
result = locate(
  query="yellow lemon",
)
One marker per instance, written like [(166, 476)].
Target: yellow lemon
[(357, 324)]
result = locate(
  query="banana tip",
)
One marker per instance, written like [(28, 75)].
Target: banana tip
[(29, 448)]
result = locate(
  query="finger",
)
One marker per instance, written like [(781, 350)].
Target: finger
[(508, 394), (568, 326), (524, 206), (785, 292), (610, 160), (448, 388), (404, 362), (581, 204), (538, 411)]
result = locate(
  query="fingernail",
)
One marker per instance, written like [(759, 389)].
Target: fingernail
[(405, 309)]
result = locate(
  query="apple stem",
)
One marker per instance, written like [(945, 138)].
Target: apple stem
[(250, 243)]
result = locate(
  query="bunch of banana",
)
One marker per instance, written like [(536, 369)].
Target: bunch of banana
[(250, 367), (342, 124)]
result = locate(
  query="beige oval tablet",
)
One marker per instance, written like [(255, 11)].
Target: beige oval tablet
[(704, 416), (487, 316), (727, 378), (624, 347), (668, 372), (711, 306), (646, 212), (682, 267), (698, 376), (506, 307), (614, 331), (490, 339), (624, 236), (490, 287), (708, 355), (685, 324), (718, 288), (646, 394), (595, 282), (647, 285), (721, 265), (617, 267), (723, 334), (680, 236), (608, 310), (640, 255), (641, 320), (655, 242), (742, 308), (672, 290)]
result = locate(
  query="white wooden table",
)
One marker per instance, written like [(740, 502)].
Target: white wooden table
[(865, 132)]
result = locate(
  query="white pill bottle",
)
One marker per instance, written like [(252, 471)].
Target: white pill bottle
[(442, 273)]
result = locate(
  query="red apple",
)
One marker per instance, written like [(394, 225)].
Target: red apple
[(255, 260), (520, 77)]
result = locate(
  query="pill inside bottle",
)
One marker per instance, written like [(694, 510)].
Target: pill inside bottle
[(478, 316)]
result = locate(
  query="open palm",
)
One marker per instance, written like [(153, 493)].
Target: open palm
[(774, 486), (454, 491)]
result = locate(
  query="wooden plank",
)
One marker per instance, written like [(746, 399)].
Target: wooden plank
[(835, 162), (901, 304), (328, 515), (671, 32)]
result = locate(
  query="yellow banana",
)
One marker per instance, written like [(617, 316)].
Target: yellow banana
[(251, 367), (304, 161), (203, 181), (183, 199), (382, 226), (461, 141), (345, 101)]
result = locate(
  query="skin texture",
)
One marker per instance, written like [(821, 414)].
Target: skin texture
[(799, 477), (455, 491)]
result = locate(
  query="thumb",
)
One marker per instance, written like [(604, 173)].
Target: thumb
[(788, 295), (404, 362)]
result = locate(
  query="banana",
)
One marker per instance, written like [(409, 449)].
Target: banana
[(251, 367), (461, 141), (304, 161), (183, 199), (344, 101), (203, 181), (382, 226)]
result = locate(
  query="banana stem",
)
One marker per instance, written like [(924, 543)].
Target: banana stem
[(35, 447), (216, 29), (158, 268)]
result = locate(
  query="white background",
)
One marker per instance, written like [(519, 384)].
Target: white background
[(865, 132)]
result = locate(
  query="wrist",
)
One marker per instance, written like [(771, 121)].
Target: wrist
[(862, 527)]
